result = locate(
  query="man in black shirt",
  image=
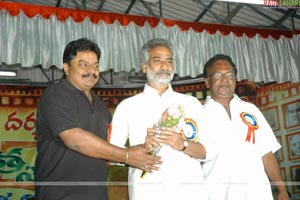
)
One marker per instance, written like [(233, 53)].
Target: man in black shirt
[(72, 125)]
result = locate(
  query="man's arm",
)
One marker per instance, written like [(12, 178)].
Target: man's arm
[(90, 145), (273, 172)]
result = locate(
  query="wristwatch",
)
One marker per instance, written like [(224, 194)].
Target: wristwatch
[(185, 145)]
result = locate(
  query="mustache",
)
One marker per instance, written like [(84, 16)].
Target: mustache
[(88, 75), (163, 72)]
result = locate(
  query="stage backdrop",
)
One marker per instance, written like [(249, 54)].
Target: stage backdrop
[(18, 137), (280, 104)]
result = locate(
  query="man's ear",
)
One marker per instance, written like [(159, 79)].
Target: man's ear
[(206, 82), (66, 68), (144, 68)]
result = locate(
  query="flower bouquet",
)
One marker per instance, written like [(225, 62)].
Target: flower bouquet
[(172, 117)]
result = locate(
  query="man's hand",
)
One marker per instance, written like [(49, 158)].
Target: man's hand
[(172, 138), (139, 157)]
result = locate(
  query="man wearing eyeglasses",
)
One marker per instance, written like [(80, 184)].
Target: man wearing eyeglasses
[(244, 141)]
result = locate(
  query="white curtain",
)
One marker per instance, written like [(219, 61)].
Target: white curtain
[(34, 41)]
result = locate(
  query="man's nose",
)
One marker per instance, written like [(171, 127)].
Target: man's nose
[(91, 68)]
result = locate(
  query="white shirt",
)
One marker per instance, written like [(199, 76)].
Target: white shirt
[(238, 171), (180, 176)]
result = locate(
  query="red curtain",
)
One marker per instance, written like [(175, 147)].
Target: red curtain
[(78, 15)]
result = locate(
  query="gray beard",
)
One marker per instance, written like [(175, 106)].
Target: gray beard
[(154, 78)]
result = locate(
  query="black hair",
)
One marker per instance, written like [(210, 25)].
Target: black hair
[(75, 46), (217, 57)]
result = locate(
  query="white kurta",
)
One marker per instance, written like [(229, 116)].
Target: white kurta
[(180, 176), (238, 171)]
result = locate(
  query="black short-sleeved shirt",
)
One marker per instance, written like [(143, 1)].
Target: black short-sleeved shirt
[(63, 174)]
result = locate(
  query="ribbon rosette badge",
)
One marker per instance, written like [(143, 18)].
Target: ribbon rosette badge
[(190, 130), (251, 121)]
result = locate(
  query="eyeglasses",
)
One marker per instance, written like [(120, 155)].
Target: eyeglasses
[(219, 75), (86, 65)]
